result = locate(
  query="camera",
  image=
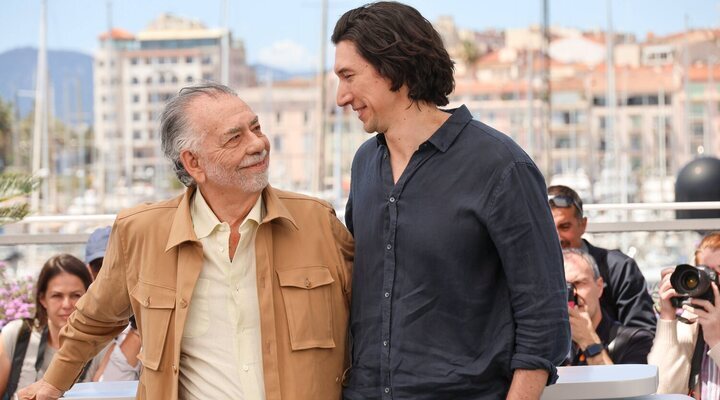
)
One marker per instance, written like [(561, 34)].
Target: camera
[(572, 294), (689, 281)]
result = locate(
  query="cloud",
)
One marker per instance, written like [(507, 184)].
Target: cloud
[(288, 55)]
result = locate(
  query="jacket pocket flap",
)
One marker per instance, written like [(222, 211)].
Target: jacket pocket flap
[(305, 277), (153, 296)]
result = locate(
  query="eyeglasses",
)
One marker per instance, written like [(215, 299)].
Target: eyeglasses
[(564, 202)]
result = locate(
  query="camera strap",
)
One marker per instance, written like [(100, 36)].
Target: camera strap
[(696, 361)]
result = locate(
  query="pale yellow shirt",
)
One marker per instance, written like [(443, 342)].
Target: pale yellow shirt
[(220, 353)]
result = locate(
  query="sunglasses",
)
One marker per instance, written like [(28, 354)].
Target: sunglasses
[(564, 202)]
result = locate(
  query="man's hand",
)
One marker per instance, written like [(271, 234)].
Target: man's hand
[(581, 327), (708, 316), (40, 390)]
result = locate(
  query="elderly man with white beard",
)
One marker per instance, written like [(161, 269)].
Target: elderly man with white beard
[(240, 290)]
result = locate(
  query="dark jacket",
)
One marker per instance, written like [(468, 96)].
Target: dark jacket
[(626, 298)]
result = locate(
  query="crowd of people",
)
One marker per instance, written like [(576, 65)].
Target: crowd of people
[(457, 273), (27, 346)]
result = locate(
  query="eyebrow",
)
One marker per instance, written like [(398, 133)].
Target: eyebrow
[(237, 129)]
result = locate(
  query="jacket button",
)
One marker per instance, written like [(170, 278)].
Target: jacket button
[(147, 301), (308, 283), (174, 367), (183, 303)]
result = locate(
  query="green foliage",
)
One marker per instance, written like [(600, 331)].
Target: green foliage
[(14, 189)]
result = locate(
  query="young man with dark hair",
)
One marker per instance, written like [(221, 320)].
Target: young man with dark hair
[(458, 290), (625, 298)]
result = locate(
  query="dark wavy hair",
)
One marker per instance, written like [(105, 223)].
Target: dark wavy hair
[(53, 267), (403, 47)]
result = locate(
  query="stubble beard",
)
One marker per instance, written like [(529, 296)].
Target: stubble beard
[(237, 177)]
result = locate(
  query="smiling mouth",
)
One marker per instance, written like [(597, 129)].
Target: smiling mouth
[(260, 164)]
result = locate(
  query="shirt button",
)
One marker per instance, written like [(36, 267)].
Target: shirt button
[(389, 246), (387, 294), (387, 390), (392, 199), (183, 303), (221, 249), (246, 368), (385, 343)]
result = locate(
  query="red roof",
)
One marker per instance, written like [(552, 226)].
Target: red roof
[(117, 34)]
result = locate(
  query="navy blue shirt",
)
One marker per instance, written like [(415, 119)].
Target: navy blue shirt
[(458, 277)]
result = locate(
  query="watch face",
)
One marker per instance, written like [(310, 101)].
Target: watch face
[(593, 350)]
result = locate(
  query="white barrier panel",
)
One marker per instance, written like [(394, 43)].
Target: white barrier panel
[(603, 382), (103, 391)]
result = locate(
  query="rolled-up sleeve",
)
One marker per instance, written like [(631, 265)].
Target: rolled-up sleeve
[(100, 315), (522, 229)]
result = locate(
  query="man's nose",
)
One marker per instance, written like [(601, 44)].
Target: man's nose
[(256, 145), (343, 95)]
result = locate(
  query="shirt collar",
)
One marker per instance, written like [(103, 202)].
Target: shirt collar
[(205, 221), (444, 137), (182, 230)]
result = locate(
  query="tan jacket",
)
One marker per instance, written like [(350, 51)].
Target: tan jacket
[(304, 261)]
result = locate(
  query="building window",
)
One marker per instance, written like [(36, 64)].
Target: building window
[(173, 60), (148, 60), (149, 80), (137, 135), (136, 116), (277, 142), (134, 61), (174, 79), (189, 60), (162, 79), (206, 60), (136, 98), (134, 80), (207, 76), (189, 79)]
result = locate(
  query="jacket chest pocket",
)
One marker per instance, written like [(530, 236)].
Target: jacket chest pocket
[(156, 308), (307, 295)]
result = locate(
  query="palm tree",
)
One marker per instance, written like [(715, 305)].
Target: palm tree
[(14, 189)]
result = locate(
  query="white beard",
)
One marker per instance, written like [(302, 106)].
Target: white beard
[(244, 180)]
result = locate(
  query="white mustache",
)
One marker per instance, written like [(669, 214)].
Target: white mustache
[(253, 159)]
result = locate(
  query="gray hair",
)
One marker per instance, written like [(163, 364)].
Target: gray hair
[(177, 132), (590, 260)]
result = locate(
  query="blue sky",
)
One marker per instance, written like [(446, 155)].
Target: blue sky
[(287, 33)]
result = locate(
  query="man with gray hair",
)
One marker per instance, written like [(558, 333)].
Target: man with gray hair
[(240, 290), (597, 338)]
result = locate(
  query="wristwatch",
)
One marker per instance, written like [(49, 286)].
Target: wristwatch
[(593, 350)]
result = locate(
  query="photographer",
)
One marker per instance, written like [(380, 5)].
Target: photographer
[(597, 338), (683, 365)]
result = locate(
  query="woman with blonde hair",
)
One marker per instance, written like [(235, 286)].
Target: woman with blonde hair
[(684, 365)]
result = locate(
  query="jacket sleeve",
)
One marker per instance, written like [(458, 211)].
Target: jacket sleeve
[(100, 315), (632, 300), (672, 353), (522, 230), (346, 253)]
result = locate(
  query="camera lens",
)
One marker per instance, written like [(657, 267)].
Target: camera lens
[(690, 280)]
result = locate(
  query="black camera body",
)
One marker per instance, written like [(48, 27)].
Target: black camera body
[(572, 294), (695, 282)]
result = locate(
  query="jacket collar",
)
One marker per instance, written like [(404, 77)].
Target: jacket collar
[(182, 229), (275, 208)]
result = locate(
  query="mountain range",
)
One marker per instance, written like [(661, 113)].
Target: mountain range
[(71, 78)]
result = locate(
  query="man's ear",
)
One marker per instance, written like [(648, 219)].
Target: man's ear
[(601, 284), (583, 224), (191, 162)]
